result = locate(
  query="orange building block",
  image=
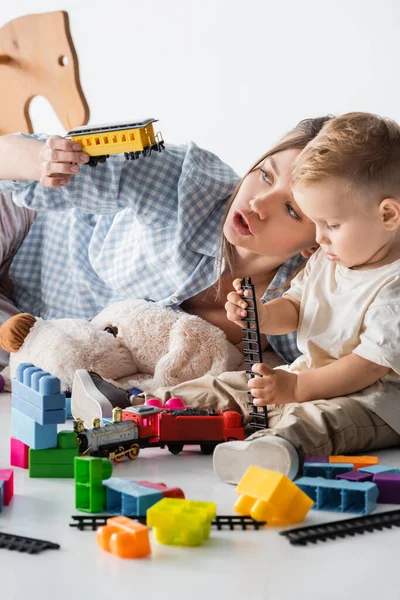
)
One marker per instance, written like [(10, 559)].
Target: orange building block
[(272, 497), (124, 537), (357, 461)]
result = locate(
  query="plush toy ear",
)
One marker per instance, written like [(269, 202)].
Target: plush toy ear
[(14, 331)]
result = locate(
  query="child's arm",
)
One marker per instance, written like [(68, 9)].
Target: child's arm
[(277, 317), (344, 376)]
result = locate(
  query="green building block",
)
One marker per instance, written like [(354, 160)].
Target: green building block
[(52, 471), (90, 498), (90, 495), (67, 439), (90, 469), (53, 456)]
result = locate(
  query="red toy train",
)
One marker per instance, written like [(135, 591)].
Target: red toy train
[(151, 425)]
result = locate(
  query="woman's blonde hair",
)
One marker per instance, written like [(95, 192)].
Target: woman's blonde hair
[(297, 138)]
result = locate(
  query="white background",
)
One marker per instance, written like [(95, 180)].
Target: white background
[(233, 75)]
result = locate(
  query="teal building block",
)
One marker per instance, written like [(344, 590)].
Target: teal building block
[(33, 434), (326, 470), (43, 417), (340, 495), (378, 469), (128, 497)]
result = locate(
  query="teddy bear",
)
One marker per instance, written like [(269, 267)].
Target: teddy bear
[(130, 343)]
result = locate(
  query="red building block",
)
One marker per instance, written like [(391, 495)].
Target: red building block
[(19, 454), (167, 492), (7, 475)]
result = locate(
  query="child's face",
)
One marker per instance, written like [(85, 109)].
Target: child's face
[(264, 218), (349, 230)]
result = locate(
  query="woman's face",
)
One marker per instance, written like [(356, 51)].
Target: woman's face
[(264, 218)]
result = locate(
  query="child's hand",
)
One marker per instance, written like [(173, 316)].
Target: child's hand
[(276, 386), (59, 161), (236, 307)]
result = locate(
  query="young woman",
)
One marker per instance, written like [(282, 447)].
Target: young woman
[(175, 228)]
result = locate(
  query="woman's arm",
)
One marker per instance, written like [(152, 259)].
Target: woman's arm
[(344, 376)]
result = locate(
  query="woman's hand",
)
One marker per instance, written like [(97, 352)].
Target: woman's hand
[(60, 160), (235, 306)]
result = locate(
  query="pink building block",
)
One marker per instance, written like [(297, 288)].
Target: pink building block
[(19, 454), (7, 475)]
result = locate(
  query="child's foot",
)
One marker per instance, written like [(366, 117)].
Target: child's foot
[(92, 396), (232, 459)]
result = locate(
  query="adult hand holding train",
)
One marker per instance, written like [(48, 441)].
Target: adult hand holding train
[(60, 160)]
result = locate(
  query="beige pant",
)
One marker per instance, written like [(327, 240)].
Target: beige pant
[(321, 427)]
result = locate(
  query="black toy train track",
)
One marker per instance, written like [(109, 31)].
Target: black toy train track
[(20, 543), (253, 354), (348, 527), (221, 522)]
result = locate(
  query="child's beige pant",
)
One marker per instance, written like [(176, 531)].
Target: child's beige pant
[(321, 427)]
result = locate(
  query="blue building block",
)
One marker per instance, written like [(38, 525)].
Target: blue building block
[(326, 470), (68, 407), (43, 417), (377, 469), (33, 434), (38, 387), (339, 495), (128, 497), (2, 486)]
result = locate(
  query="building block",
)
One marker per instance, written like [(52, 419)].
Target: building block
[(68, 407), (375, 469), (90, 495), (167, 492), (272, 497), (43, 417), (31, 433), (389, 487), (357, 461), (38, 387), (7, 475), (316, 459), (180, 522), (355, 476), (67, 439), (53, 456), (326, 470), (128, 498), (340, 495), (1, 495), (53, 471), (19, 454), (124, 538)]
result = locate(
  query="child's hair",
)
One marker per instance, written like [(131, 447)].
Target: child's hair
[(362, 148), (297, 138)]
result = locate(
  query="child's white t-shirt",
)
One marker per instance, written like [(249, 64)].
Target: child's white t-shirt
[(346, 311)]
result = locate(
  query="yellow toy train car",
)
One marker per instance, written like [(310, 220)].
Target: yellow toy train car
[(133, 139)]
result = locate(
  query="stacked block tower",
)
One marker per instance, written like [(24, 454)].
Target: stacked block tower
[(38, 406)]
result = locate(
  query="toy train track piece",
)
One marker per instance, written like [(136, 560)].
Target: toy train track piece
[(330, 531), (28, 545), (220, 522), (253, 354)]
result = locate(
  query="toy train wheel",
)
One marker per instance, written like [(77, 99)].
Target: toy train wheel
[(175, 448), (119, 454), (207, 448), (92, 162), (133, 452)]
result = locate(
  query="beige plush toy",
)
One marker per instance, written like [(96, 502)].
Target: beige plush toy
[(132, 343)]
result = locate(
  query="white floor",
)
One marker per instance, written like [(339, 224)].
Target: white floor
[(234, 565)]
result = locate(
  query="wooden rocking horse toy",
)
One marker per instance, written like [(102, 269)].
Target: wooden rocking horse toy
[(38, 58)]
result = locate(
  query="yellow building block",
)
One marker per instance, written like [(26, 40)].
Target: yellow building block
[(357, 461), (180, 522), (272, 497)]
